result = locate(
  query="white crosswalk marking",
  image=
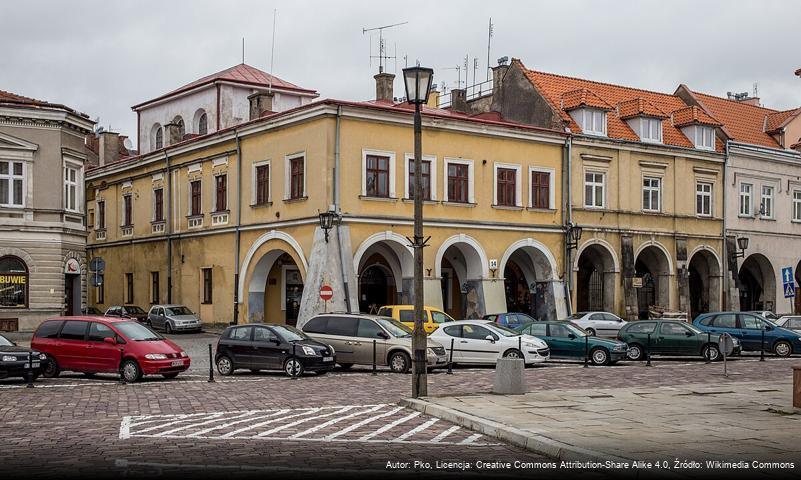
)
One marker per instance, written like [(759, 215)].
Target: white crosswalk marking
[(363, 422), (336, 420), (444, 434), (192, 425), (257, 425), (417, 430), (391, 425), (302, 420), (156, 427), (472, 438), (226, 425)]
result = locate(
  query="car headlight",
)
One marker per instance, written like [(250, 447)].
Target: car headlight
[(156, 356), (529, 344), (309, 351), (184, 354), (9, 358), (42, 356), (332, 349), (621, 348)]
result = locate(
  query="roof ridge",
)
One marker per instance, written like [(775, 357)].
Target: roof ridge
[(601, 83), (737, 103)]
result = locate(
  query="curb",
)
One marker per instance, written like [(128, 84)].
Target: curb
[(539, 444)]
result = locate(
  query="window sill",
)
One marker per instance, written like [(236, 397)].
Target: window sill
[(592, 207), (199, 215), (425, 202), (378, 199), (220, 212), (261, 205), (293, 200), (460, 204), (703, 215), (539, 209), (507, 207), (769, 219), (746, 216), (157, 222), (652, 212)]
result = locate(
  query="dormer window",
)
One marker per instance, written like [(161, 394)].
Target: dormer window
[(649, 129), (704, 137), (591, 120)]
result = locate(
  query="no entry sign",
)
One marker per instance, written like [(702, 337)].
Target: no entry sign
[(326, 293)]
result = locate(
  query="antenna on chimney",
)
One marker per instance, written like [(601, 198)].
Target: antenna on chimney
[(382, 51), (489, 44), (272, 51), (243, 50), (756, 90)]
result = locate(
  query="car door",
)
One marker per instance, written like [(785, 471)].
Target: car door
[(725, 323), (750, 332), (367, 332), (565, 343), (406, 317), (71, 353), (611, 324), (453, 336), (476, 347), (101, 356), (240, 345), (671, 339), (341, 333), (268, 350)]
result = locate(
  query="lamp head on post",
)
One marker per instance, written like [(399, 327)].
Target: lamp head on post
[(327, 221), (742, 244), (418, 84), (573, 235)]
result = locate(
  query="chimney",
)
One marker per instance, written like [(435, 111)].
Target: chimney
[(260, 103), (108, 147), (459, 100), (383, 87), (497, 75), (433, 97)]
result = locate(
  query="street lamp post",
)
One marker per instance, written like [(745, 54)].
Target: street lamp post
[(418, 85)]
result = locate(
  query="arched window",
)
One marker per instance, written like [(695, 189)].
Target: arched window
[(202, 123), (158, 137), (13, 283)]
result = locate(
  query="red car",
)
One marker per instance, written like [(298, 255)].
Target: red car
[(107, 345)]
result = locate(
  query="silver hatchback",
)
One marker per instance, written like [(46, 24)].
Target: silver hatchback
[(173, 318)]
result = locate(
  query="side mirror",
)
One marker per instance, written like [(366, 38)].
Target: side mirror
[(275, 340), (383, 335), (110, 340), (490, 338), (571, 336), (768, 328), (689, 334)]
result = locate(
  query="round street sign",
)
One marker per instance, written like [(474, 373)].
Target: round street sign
[(726, 344), (326, 293)]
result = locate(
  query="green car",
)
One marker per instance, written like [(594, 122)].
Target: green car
[(567, 340), (671, 337)]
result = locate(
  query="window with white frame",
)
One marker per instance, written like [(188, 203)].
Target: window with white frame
[(651, 129), (594, 185), (260, 184), (459, 181), (12, 183), (295, 177), (508, 185), (797, 205), (542, 188), (704, 137), (591, 120), (766, 205), (746, 199), (651, 194), (703, 199), (428, 176), (71, 189)]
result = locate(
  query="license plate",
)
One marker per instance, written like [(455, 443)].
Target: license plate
[(328, 359), (177, 363), (35, 364)]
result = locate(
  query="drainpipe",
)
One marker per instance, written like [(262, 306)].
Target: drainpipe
[(725, 266), (238, 223), (567, 219), (337, 167), (168, 181)]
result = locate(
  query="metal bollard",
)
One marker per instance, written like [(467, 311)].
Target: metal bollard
[(520, 345), (586, 351), (374, 366), (294, 363), (29, 373), (122, 377), (708, 350), (762, 346), (450, 360), (211, 366), (648, 352)]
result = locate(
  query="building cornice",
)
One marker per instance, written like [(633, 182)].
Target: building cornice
[(648, 148), (39, 116)]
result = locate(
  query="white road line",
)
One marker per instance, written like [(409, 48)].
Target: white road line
[(472, 438), (389, 426), (226, 425), (363, 422), (156, 427), (323, 440), (257, 425), (417, 429), (125, 428), (213, 420), (135, 420), (302, 420), (444, 434), (331, 422)]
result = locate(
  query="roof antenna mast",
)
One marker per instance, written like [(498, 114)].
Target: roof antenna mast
[(243, 50), (272, 51), (489, 44), (382, 51)]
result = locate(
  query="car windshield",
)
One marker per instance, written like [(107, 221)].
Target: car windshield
[(178, 311), (506, 332), (134, 309), (137, 332), (395, 328), (4, 342), (290, 333), (576, 330), (694, 329), (441, 317), (770, 316)]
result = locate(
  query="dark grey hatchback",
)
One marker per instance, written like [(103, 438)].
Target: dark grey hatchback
[(261, 346)]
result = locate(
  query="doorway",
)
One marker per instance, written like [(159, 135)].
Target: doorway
[(72, 295)]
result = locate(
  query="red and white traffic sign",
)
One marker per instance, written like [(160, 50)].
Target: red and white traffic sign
[(326, 293)]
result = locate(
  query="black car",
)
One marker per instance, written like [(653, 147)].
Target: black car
[(132, 312), (14, 360), (260, 346), (92, 311)]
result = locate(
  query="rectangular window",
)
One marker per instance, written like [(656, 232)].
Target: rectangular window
[(703, 199), (207, 285), (766, 206), (507, 187), (705, 137), (158, 205), (262, 184), (221, 193), (11, 184), (71, 189), (797, 205), (194, 198), (127, 211), (540, 190), (425, 167), (458, 182), (592, 121), (745, 199), (594, 190), (129, 288), (651, 193), (296, 180), (154, 287), (650, 129), (101, 215), (377, 176)]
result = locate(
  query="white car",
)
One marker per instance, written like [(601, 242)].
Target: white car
[(790, 322), (484, 342), (600, 324)]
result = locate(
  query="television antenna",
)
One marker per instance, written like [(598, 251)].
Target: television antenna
[(458, 69), (382, 50), (489, 44)]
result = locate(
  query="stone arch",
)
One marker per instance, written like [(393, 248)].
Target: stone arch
[(281, 239), (157, 136), (461, 265), (705, 280), (757, 281), (22, 255), (477, 265), (596, 268), (393, 253), (396, 242), (653, 264), (542, 260), (200, 122), (529, 271), (614, 266)]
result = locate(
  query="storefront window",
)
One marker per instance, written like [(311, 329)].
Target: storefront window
[(13, 283)]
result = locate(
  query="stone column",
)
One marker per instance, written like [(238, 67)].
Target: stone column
[(629, 292), (683, 276), (731, 279), (432, 292)]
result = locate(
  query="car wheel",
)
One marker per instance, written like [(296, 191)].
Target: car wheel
[(168, 328), (711, 352), (345, 366), (51, 370), (225, 366), (293, 367), (590, 331), (170, 375), (599, 356), (635, 352), (399, 362), (513, 353), (782, 348), (130, 371)]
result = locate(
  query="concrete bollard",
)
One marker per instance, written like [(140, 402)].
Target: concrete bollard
[(509, 379), (797, 387)]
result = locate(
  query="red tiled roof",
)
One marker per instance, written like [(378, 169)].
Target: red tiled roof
[(8, 98), (582, 97), (693, 115), (776, 121), (243, 74), (553, 87), (639, 107)]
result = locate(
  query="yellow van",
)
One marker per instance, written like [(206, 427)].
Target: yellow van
[(434, 317)]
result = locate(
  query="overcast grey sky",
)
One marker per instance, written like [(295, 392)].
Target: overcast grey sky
[(101, 57)]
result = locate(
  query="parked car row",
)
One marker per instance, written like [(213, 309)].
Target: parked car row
[(168, 317)]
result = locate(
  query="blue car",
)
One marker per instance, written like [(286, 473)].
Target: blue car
[(510, 320), (748, 328)]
